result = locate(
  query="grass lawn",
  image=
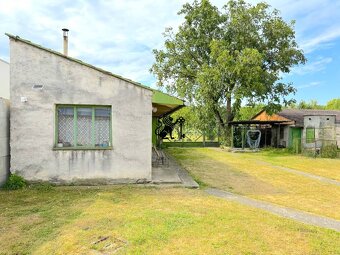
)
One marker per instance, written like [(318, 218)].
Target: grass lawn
[(244, 174), (146, 220), (325, 167)]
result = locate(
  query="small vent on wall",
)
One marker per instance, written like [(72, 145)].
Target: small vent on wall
[(38, 86)]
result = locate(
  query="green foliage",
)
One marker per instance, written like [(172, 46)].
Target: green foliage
[(220, 58), (333, 104), (312, 104), (247, 112), (197, 121), (15, 182), (329, 151)]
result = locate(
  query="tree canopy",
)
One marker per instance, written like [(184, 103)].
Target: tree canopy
[(220, 58), (333, 104)]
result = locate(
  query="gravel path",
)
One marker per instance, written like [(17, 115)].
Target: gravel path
[(289, 213), (308, 175)]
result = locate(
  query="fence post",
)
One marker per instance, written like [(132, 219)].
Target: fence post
[(232, 136), (242, 132), (203, 138)]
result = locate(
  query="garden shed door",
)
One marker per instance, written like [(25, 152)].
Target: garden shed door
[(295, 139)]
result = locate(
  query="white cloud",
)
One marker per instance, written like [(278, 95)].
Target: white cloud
[(312, 67), (321, 40), (119, 35), (309, 85), (116, 35)]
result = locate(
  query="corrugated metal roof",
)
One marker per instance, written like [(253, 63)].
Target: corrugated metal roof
[(298, 114)]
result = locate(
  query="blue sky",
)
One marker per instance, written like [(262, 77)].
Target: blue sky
[(119, 35)]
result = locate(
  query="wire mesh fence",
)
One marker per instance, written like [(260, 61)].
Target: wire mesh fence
[(324, 148), (194, 138), (317, 142)]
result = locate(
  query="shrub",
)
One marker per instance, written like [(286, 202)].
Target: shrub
[(15, 182), (329, 151)]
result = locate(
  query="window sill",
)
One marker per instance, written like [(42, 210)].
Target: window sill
[(82, 148)]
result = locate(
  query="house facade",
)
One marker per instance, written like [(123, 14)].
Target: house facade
[(71, 121), (309, 128), (4, 79), (4, 140), (298, 128)]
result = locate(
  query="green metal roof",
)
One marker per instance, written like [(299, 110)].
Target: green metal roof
[(160, 97), (17, 38)]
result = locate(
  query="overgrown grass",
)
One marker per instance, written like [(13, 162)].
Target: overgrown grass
[(249, 175), (132, 220)]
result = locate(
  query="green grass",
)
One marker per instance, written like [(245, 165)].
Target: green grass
[(329, 168), (146, 220), (250, 174)]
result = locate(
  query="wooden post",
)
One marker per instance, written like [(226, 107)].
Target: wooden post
[(203, 138), (278, 136), (232, 136), (242, 133)]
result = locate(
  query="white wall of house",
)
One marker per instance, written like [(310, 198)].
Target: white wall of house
[(33, 153), (337, 133), (4, 140), (325, 129), (4, 79), (283, 141)]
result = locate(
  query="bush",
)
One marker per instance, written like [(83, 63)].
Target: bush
[(15, 182), (329, 151)]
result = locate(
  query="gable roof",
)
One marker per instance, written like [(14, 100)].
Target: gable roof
[(17, 38), (297, 115), (264, 116), (4, 61)]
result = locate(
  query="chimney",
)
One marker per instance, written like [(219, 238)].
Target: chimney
[(65, 35)]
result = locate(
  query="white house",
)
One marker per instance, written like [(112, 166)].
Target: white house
[(71, 121), (4, 79)]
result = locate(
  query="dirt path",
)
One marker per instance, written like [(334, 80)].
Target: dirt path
[(289, 213), (308, 175)]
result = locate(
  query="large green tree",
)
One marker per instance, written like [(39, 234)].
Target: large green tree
[(333, 104), (220, 58)]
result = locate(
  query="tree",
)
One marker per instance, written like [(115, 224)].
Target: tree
[(247, 112), (333, 104), (217, 59), (196, 120), (312, 104)]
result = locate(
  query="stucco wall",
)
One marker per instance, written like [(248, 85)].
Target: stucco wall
[(4, 140), (325, 129), (67, 82), (4, 79), (337, 132), (285, 140)]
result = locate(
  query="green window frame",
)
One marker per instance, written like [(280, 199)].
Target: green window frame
[(83, 127), (310, 135)]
